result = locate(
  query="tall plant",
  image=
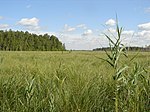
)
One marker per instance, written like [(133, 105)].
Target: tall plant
[(116, 49), (131, 80)]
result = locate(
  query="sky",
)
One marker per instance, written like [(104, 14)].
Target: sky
[(80, 24)]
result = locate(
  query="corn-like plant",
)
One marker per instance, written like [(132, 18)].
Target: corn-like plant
[(116, 49), (126, 81)]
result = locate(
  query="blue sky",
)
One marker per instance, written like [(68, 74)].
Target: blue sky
[(79, 23)]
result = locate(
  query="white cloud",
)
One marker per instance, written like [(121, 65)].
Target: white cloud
[(4, 26), (143, 34), (110, 22), (78, 42), (71, 29), (32, 28), (93, 40), (128, 32), (80, 38), (130, 37), (67, 28), (30, 24), (81, 26), (145, 26), (112, 30), (87, 32), (42, 33)]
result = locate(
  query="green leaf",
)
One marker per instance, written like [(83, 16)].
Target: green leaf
[(119, 72), (109, 39)]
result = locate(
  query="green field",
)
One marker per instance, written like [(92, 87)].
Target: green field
[(72, 82)]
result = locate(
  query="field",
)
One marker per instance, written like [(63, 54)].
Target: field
[(74, 81)]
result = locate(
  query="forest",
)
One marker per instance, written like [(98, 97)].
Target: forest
[(131, 48), (25, 41)]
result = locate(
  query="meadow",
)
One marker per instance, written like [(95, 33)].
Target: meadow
[(77, 81)]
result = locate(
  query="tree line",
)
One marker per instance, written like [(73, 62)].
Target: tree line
[(25, 41), (147, 48)]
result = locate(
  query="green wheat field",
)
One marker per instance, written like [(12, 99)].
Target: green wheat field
[(77, 81)]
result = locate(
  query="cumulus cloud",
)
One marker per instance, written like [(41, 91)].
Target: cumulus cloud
[(30, 24), (128, 32), (145, 26), (81, 26), (71, 29), (130, 37), (78, 42), (87, 32), (84, 38), (67, 28), (44, 32), (143, 34), (4, 26), (93, 40), (110, 22), (112, 30)]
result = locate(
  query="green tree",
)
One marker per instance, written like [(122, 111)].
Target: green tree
[(19, 40)]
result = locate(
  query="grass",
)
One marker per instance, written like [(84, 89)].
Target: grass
[(71, 82), (76, 81)]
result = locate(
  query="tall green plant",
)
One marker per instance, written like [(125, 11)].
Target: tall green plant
[(127, 79), (116, 49)]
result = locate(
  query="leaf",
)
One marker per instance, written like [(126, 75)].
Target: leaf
[(119, 72), (134, 57), (106, 61), (109, 39), (108, 55)]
